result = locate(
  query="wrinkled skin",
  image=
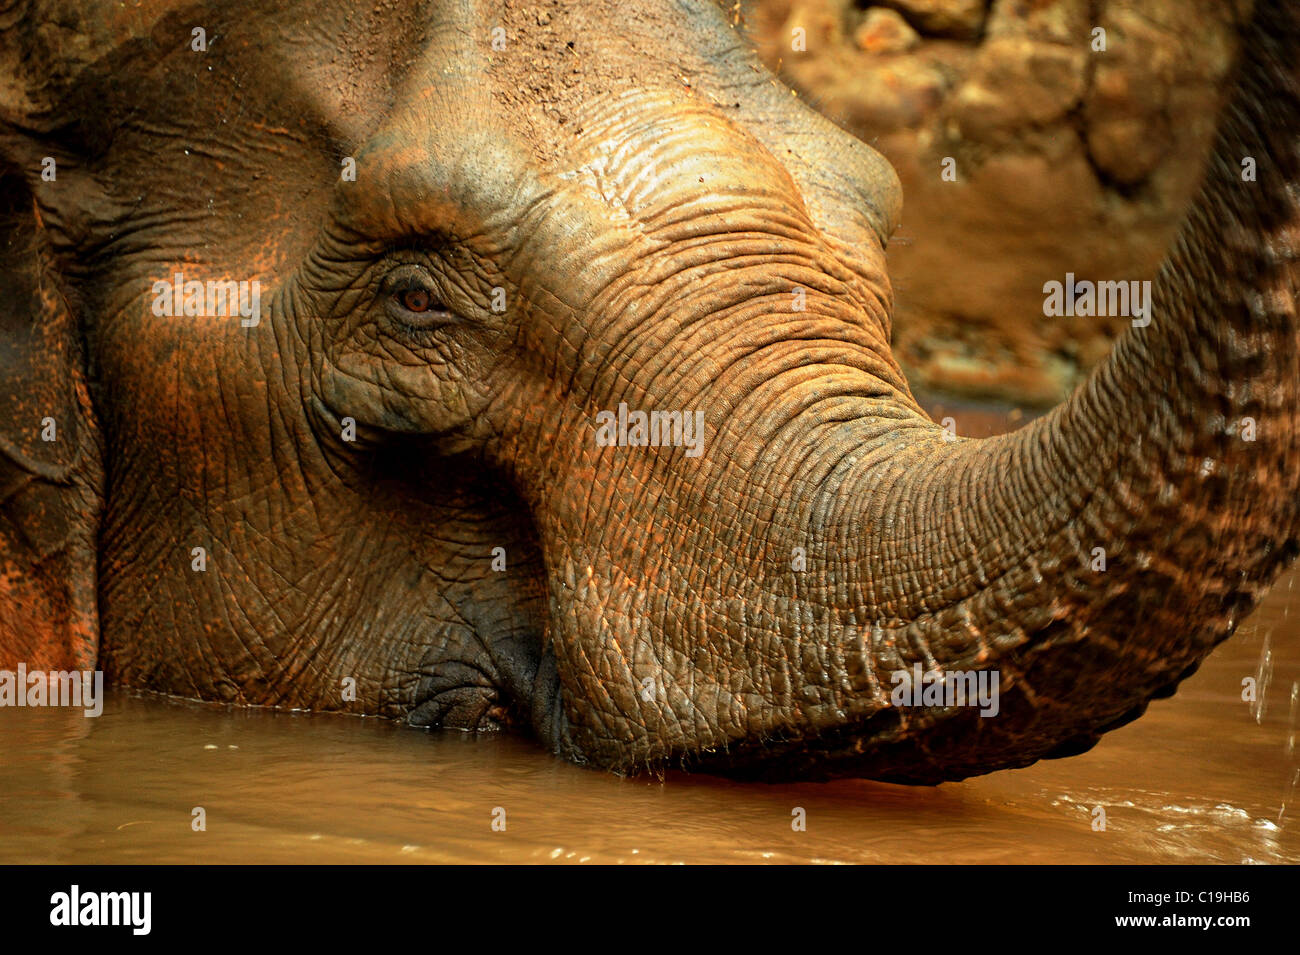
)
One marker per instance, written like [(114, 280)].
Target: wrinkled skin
[(648, 198)]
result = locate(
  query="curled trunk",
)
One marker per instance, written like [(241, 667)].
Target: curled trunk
[(1179, 459), (680, 629)]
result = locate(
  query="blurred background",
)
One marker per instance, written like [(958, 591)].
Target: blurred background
[(1067, 159)]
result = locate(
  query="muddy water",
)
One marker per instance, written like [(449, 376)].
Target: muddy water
[(1202, 777)]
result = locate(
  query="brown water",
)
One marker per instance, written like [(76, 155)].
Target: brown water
[(1202, 777)]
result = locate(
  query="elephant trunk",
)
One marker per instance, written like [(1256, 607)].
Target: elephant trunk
[(754, 608), (1096, 556)]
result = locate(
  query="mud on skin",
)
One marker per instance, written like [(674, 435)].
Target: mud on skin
[(386, 495)]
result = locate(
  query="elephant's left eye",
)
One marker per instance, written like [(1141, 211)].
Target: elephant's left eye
[(411, 297)]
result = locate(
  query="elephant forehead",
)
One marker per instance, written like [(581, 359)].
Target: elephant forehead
[(647, 151), (491, 118)]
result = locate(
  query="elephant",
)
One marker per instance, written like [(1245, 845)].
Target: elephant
[(526, 366)]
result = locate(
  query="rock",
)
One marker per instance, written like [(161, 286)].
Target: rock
[(1060, 21), (900, 94), (955, 18), (1016, 82), (1127, 150), (1127, 112), (885, 31), (1067, 160)]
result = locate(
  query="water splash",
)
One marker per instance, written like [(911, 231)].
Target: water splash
[(1294, 720), (1263, 677), (1286, 797)]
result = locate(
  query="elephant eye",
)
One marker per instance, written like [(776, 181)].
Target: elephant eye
[(411, 297), (416, 300)]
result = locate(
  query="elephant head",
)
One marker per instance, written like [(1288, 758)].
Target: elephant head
[(527, 364)]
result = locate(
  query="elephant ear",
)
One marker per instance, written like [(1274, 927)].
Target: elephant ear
[(51, 471)]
